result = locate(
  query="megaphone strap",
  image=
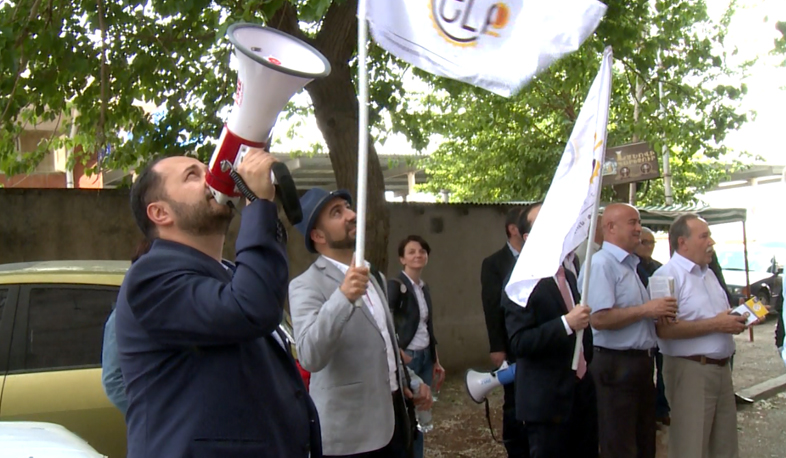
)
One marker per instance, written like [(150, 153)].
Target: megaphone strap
[(281, 231), (488, 419), (241, 185)]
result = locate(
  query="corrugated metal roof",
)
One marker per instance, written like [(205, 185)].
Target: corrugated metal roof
[(665, 215)]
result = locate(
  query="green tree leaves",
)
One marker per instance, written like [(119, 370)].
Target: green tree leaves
[(507, 149)]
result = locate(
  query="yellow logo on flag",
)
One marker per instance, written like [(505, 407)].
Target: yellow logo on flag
[(460, 23), (595, 164), (595, 170)]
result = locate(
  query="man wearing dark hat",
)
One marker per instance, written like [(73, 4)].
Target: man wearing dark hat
[(345, 338)]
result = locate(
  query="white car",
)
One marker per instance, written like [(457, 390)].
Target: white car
[(32, 439)]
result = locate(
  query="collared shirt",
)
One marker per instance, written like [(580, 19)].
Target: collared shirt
[(513, 250), (421, 339), (377, 307), (614, 283), (699, 296), (649, 265), (581, 250), (567, 264)]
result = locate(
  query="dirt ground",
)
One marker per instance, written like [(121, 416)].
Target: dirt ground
[(461, 429)]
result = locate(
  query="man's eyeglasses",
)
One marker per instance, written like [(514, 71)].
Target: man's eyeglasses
[(648, 242)]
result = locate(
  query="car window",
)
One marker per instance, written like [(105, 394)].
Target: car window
[(735, 260), (65, 326), (3, 297)]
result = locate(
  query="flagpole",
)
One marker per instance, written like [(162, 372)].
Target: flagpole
[(586, 268), (360, 234)]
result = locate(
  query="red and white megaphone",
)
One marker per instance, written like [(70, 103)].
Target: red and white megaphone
[(272, 67)]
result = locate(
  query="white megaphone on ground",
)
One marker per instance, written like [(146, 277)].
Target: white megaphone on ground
[(480, 384), (272, 67)]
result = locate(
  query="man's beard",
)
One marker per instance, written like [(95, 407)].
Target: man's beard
[(202, 218), (345, 243)]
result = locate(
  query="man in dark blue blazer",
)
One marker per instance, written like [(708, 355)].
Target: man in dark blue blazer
[(557, 404), (206, 370), (494, 273)]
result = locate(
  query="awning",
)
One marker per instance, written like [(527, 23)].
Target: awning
[(660, 217)]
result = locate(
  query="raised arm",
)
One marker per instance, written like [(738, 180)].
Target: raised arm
[(317, 321), (187, 308)]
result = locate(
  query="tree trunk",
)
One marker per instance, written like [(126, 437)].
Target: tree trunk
[(336, 109)]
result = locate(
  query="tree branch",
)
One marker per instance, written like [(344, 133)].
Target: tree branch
[(663, 106), (104, 76), (54, 131), (25, 31), (553, 140), (285, 19), (149, 39), (338, 36), (546, 101), (49, 15), (22, 64), (638, 73), (22, 61)]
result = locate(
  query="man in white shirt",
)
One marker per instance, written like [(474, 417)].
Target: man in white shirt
[(697, 347), (345, 338)]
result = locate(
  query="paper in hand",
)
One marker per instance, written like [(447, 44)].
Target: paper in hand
[(754, 308), (661, 287)]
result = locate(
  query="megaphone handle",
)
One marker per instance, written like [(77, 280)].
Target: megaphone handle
[(241, 185)]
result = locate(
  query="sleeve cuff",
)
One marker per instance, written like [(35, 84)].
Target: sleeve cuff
[(567, 327)]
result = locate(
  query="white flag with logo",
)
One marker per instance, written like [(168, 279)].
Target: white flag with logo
[(564, 220), (498, 45)]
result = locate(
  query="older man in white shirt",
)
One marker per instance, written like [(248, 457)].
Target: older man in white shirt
[(697, 347)]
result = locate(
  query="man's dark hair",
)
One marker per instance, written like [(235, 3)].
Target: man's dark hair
[(141, 249), (525, 227), (512, 217), (147, 188), (679, 228), (413, 238)]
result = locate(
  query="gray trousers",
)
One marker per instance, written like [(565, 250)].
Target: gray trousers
[(703, 411)]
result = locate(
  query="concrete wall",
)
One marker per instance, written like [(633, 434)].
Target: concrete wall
[(47, 224)]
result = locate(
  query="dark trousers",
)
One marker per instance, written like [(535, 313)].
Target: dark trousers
[(661, 403), (577, 437), (514, 433), (626, 403), (398, 445)]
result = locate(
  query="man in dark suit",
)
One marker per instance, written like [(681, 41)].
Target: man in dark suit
[(716, 268), (206, 369), (557, 403), (645, 269), (493, 274)]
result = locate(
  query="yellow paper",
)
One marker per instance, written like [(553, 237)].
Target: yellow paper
[(755, 310), (756, 307)]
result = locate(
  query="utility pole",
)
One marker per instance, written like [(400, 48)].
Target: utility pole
[(664, 148), (636, 112)]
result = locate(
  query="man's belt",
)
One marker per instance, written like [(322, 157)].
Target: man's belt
[(629, 352), (704, 360)]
